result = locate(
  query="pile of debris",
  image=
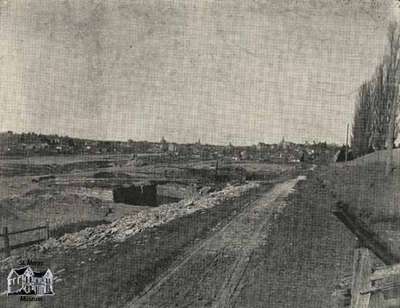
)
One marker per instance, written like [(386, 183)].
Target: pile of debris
[(127, 226)]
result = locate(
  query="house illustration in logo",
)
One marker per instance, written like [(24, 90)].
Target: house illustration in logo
[(25, 281)]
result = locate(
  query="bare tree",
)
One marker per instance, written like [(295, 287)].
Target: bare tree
[(392, 61), (375, 119), (363, 120), (379, 108)]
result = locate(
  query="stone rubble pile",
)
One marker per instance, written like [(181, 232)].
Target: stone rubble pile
[(127, 226)]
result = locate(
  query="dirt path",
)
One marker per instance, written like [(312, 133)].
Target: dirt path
[(220, 262)]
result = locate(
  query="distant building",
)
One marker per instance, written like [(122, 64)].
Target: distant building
[(172, 147)]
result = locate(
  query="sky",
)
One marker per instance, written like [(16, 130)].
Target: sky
[(220, 71)]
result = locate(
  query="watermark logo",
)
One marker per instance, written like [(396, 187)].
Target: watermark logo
[(30, 284)]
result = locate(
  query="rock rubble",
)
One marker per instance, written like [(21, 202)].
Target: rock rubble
[(127, 226)]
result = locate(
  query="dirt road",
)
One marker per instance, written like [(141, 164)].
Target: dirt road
[(219, 262)]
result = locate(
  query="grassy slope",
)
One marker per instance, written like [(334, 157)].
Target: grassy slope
[(374, 197)]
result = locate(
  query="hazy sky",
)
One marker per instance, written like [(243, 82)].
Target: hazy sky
[(238, 71)]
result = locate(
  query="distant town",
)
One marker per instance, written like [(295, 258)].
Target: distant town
[(32, 144)]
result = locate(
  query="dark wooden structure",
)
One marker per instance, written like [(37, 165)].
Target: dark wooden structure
[(145, 194)]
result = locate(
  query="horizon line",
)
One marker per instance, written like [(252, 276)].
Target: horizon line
[(168, 141)]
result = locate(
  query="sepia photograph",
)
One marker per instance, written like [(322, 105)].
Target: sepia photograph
[(200, 153)]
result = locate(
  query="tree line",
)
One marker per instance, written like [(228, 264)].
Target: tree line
[(375, 125)]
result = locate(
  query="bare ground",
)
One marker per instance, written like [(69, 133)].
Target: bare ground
[(249, 261), (263, 258), (110, 275), (218, 263), (308, 253)]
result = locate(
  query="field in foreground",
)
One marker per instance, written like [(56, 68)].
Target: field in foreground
[(299, 257), (295, 258)]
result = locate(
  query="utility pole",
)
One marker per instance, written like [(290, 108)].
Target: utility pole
[(347, 144)]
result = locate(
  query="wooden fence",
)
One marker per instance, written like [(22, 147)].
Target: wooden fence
[(6, 239), (368, 285)]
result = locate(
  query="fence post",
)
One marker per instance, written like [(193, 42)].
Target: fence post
[(6, 242), (362, 269)]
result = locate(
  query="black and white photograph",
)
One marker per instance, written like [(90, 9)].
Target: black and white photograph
[(200, 153)]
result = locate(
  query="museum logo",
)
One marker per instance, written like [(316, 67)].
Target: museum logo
[(29, 284)]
